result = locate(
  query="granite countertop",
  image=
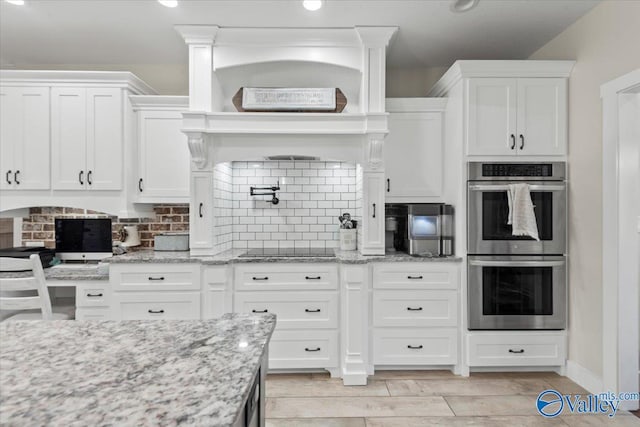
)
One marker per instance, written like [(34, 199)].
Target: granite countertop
[(69, 272), (233, 256), (187, 372)]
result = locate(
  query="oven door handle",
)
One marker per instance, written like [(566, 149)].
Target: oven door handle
[(532, 187), (485, 263)]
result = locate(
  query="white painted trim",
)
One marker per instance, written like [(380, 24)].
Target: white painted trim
[(584, 378), (499, 68), (158, 102), (620, 251), (17, 231), (123, 79), (405, 105)]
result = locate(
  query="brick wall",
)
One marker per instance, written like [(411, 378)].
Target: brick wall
[(39, 225)]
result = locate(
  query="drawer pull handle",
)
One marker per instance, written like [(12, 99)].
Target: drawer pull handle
[(95, 295), (6, 177), (156, 278), (313, 277), (15, 177), (516, 351), (414, 309), (415, 347), (308, 310), (260, 311), (261, 278), (312, 349), (155, 311), (414, 277)]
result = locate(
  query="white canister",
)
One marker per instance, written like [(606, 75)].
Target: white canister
[(348, 239)]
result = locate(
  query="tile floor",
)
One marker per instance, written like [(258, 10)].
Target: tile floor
[(423, 398)]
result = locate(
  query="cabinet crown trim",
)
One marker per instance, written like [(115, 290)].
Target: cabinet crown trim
[(499, 68), (123, 79)]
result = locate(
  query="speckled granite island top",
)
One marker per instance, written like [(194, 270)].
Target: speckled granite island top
[(131, 373), (233, 257)]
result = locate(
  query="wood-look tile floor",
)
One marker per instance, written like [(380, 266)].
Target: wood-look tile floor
[(423, 398)]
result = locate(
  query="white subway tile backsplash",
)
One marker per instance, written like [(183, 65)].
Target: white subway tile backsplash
[(312, 194)]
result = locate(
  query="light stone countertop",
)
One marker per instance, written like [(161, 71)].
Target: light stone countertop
[(233, 256), (69, 272), (129, 373)]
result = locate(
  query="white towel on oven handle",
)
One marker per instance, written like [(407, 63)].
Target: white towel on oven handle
[(521, 215)]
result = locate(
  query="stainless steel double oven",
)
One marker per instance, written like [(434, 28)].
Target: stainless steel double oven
[(516, 282)]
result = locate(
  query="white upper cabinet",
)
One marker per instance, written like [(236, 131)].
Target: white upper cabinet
[(87, 138), (161, 143), (24, 138), (413, 150), (517, 116)]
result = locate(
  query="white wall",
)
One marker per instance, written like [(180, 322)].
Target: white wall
[(605, 44), (411, 82)]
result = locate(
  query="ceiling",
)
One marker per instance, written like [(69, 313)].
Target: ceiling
[(55, 32)]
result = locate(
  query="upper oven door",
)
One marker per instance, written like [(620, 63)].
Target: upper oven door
[(488, 210)]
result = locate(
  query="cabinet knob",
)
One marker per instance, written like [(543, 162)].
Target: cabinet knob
[(7, 176), (15, 177), (80, 177)]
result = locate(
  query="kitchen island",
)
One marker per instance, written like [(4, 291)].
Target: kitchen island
[(198, 372)]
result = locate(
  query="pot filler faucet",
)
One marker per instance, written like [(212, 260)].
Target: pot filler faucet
[(266, 191)]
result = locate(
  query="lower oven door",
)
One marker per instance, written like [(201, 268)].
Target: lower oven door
[(517, 292)]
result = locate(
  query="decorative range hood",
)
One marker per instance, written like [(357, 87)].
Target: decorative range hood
[(222, 60)]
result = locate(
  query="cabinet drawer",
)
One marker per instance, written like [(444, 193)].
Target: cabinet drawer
[(416, 275), (521, 349), (93, 314), (93, 296), (295, 310), (303, 349), (415, 308), (415, 346), (286, 277), (169, 277), (167, 306)]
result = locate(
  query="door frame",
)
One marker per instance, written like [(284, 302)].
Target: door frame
[(620, 238)]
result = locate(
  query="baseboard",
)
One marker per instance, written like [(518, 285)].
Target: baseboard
[(584, 378)]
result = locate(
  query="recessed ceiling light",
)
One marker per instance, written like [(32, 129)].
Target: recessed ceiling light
[(16, 2), (312, 4), (168, 3), (463, 5)]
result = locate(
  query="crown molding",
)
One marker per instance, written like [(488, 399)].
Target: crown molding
[(198, 34), (123, 79), (159, 102), (499, 68)]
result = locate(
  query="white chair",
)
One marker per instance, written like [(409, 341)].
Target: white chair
[(13, 290)]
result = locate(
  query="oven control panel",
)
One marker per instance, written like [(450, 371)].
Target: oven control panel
[(517, 169)]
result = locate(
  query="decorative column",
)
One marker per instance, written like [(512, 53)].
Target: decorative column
[(200, 39), (354, 289)]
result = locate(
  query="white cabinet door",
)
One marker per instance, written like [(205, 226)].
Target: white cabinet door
[(104, 138), (201, 212), (69, 138), (491, 125), (413, 156), (542, 116), (24, 140), (372, 229), (9, 133), (161, 143)]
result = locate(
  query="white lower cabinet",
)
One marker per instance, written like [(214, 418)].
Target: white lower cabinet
[(304, 297), (155, 291), (157, 305), (415, 313), (522, 348), (217, 294), (303, 349), (93, 300)]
